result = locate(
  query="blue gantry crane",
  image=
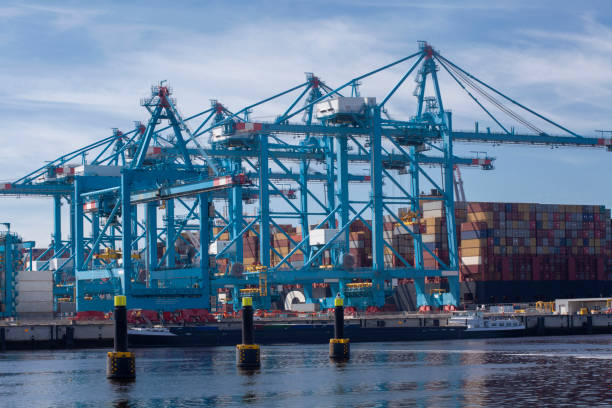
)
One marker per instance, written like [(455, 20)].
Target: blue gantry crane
[(332, 158)]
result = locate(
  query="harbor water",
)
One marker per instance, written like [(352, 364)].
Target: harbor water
[(543, 371)]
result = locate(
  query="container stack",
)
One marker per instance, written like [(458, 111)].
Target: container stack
[(400, 239), (497, 241), (520, 241), (283, 243), (35, 294), (434, 231), (360, 244), (250, 248)]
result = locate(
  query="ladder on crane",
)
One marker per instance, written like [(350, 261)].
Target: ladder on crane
[(263, 284)]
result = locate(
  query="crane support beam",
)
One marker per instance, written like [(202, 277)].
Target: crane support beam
[(190, 189)]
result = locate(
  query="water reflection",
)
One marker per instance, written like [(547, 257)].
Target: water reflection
[(558, 371)]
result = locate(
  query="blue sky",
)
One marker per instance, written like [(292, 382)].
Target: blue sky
[(71, 71)]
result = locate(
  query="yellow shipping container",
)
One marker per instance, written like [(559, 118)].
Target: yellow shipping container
[(480, 217), (473, 243), (473, 251), (434, 229)]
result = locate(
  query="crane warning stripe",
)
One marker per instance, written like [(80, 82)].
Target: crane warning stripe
[(248, 127), (222, 181), (90, 206), (481, 161), (64, 170)]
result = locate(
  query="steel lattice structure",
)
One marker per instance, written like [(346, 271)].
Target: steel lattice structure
[(204, 187)]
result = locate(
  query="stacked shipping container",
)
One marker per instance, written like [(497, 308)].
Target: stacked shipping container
[(498, 242), (520, 241)]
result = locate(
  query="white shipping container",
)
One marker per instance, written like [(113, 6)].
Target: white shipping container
[(25, 298), (38, 265), (218, 246), (322, 236), (24, 286), (433, 214), (35, 307), (433, 205), (55, 263), (35, 276), (471, 260)]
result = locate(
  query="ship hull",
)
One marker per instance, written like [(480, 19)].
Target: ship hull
[(308, 334)]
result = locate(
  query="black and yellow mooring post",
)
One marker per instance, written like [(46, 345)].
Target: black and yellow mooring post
[(247, 353), (339, 347), (120, 363)]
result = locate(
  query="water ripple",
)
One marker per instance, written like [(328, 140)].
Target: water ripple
[(554, 371)]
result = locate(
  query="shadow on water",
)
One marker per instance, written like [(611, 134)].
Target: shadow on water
[(121, 390), (249, 372)]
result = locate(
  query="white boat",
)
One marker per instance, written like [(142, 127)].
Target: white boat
[(478, 322), (150, 331)]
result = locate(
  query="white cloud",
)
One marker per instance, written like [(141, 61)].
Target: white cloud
[(62, 18)]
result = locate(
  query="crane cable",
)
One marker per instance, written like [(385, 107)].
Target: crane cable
[(496, 102), (489, 97)]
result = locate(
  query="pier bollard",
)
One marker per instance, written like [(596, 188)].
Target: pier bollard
[(120, 363), (339, 347), (247, 353)]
